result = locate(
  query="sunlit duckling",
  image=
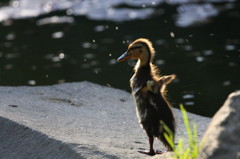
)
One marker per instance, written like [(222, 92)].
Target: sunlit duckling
[(148, 90)]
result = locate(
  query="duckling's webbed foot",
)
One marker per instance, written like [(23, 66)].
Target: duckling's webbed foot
[(150, 153)]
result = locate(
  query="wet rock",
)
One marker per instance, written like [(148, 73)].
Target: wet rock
[(222, 137)]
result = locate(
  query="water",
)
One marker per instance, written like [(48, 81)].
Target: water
[(58, 44)]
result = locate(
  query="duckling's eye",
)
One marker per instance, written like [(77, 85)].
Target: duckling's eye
[(134, 48)]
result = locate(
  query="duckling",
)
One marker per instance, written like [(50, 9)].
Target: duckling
[(148, 90)]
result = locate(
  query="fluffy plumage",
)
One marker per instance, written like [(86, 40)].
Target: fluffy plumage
[(148, 90)]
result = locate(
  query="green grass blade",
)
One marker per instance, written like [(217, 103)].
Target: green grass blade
[(169, 140), (192, 151), (186, 122)]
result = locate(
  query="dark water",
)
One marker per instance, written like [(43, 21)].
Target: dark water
[(205, 57)]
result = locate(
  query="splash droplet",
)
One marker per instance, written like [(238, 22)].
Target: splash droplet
[(57, 35), (199, 59), (172, 34), (32, 82), (61, 55), (188, 96)]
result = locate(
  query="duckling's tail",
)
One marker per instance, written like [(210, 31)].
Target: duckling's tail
[(167, 79)]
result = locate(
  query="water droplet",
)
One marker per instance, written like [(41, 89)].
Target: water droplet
[(226, 83), (180, 41), (99, 28), (10, 36), (93, 41), (116, 28), (86, 45), (61, 55), (199, 59), (188, 96), (32, 82), (172, 34), (160, 62), (188, 47), (112, 61), (189, 103), (57, 35), (110, 55), (230, 47), (207, 52)]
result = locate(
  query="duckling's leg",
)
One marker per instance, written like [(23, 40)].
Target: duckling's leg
[(151, 150)]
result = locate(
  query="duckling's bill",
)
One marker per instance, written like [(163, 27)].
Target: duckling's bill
[(123, 57)]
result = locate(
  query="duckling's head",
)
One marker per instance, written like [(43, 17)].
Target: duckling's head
[(139, 49)]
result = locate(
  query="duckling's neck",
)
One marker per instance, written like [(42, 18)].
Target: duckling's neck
[(141, 64), (143, 69), (144, 59)]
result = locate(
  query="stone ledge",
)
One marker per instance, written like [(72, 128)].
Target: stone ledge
[(78, 120)]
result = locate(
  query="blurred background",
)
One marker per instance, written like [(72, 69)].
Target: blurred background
[(45, 42)]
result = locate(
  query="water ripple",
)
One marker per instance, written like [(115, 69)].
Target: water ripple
[(189, 12)]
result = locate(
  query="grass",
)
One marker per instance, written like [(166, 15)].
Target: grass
[(192, 150)]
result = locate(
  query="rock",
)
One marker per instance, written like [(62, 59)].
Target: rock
[(222, 138), (166, 155), (18, 141), (77, 120)]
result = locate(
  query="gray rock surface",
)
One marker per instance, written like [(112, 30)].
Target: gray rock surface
[(77, 120), (222, 138)]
